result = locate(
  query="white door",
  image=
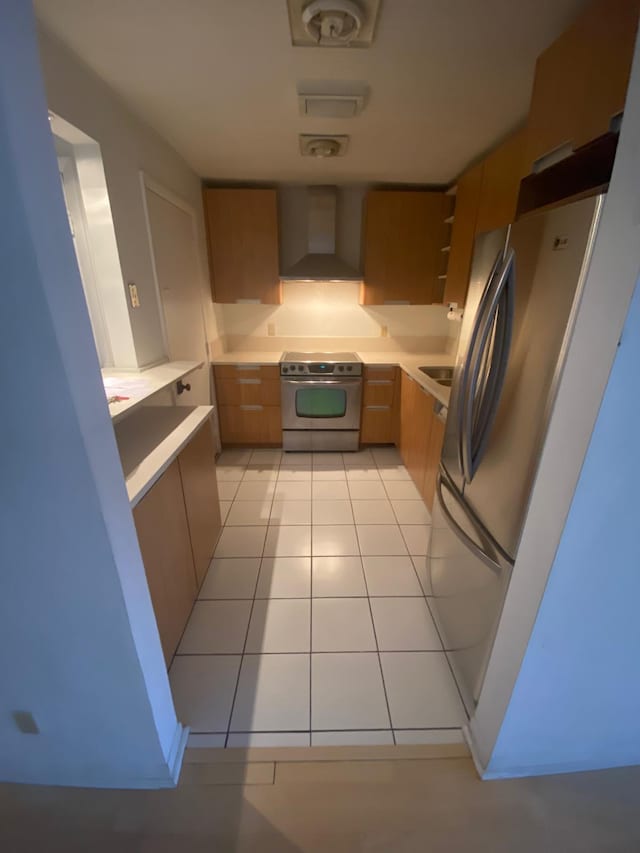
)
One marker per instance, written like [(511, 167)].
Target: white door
[(175, 254)]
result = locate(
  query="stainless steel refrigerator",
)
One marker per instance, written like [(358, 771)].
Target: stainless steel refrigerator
[(524, 290)]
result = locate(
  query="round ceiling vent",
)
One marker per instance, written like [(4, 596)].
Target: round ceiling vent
[(333, 22), (323, 146)]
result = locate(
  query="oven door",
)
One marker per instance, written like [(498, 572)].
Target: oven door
[(321, 403)]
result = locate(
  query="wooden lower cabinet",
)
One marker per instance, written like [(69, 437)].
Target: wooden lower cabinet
[(178, 525), (380, 403), (250, 425), (200, 489), (432, 458), (421, 436), (248, 399), (163, 534)]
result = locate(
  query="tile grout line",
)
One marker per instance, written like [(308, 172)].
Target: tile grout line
[(317, 652), (375, 636), (311, 635), (246, 637)]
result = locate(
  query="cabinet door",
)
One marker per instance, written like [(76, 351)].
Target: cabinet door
[(581, 79), (403, 235), (260, 425), (608, 32), (432, 461), (503, 170), (242, 233), (421, 431), (463, 234), (163, 534), (200, 487), (408, 392)]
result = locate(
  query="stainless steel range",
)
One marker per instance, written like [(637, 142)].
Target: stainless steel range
[(321, 397)]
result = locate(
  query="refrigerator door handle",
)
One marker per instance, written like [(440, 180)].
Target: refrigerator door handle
[(459, 404), (464, 537), (493, 332)]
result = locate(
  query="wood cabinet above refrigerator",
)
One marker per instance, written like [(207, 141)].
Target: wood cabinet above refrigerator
[(486, 198), (581, 79)]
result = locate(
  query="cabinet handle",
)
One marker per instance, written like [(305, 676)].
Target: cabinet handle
[(378, 408), (247, 367), (379, 381), (248, 381), (251, 408), (248, 301)]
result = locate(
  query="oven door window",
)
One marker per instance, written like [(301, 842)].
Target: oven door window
[(321, 402)]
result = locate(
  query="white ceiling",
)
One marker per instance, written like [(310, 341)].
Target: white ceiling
[(217, 79)]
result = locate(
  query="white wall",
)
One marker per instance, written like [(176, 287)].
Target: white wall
[(579, 723), (78, 644), (331, 309), (128, 145), (576, 704)]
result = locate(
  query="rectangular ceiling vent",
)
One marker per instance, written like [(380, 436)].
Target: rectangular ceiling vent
[(333, 23), (330, 106)]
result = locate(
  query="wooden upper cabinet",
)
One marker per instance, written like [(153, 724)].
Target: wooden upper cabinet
[(403, 236), (242, 236), (581, 79), (463, 234), (502, 173)]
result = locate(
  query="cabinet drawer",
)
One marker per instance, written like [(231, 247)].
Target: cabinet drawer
[(248, 391), (250, 424), (246, 371), (376, 373), (378, 392), (377, 425)]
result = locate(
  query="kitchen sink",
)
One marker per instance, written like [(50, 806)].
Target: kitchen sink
[(442, 375)]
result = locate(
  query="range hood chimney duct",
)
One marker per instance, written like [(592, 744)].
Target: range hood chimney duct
[(321, 262)]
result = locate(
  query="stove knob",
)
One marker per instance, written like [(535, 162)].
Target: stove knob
[(340, 368), (285, 369), (300, 367), (349, 367)]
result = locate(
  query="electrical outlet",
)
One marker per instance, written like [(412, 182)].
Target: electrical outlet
[(133, 295), (271, 329), (384, 331), (25, 722)]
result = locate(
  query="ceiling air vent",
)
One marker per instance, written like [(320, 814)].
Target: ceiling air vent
[(313, 145), (332, 23), (317, 99)]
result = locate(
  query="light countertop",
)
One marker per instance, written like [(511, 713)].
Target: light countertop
[(139, 385), (407, 361), (150, 441)]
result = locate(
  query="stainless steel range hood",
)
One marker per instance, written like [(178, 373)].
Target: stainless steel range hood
[(321, 261)]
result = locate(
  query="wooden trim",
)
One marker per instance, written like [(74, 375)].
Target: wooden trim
[(587, 172)]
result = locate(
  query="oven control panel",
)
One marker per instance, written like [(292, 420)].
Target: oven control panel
[(320, 368)]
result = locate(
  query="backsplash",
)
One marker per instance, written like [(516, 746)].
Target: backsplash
[(321, 310)]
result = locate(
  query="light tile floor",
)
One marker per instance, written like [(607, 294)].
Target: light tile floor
[(313, 625)]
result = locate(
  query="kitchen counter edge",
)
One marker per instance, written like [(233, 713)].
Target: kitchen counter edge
[(409, 362)]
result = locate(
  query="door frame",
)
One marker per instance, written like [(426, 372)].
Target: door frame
[(149, 183)]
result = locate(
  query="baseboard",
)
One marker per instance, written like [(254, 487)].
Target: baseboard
[(176, 753), (468, 737)]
